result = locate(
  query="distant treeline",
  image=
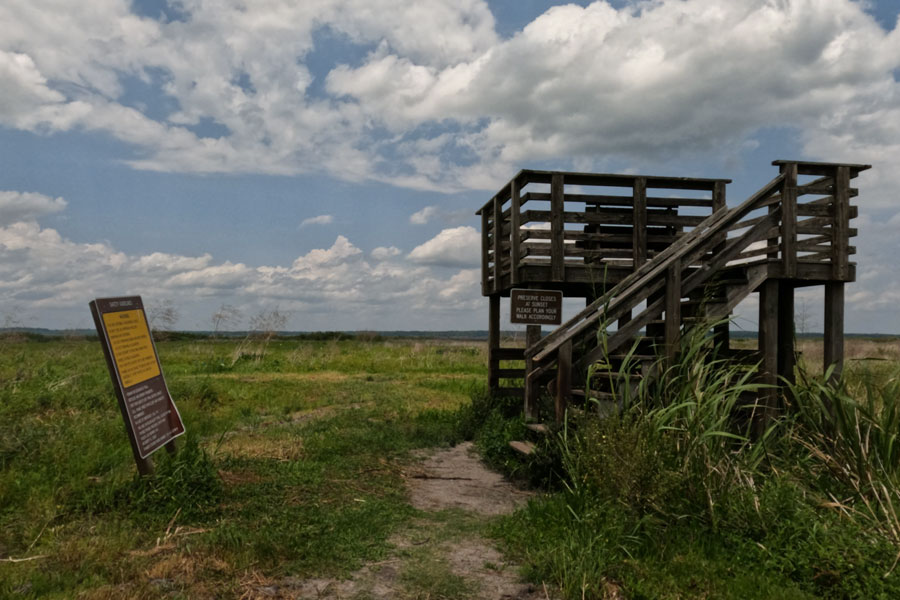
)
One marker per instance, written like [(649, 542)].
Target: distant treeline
[(40, 334)]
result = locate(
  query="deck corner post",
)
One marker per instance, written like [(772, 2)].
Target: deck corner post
[(789, 219), (515, 222)]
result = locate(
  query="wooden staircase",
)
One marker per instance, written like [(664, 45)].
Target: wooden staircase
[(770, 243)]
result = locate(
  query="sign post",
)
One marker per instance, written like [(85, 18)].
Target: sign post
[(535, 307), (151, 418)]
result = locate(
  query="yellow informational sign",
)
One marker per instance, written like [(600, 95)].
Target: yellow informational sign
[(131, 346)]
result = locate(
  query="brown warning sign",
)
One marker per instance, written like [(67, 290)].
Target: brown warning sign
[(535, 307), (151, 418)]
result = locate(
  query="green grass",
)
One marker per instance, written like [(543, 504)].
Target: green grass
[(292, 465)]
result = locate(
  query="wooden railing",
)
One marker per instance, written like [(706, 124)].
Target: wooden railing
[(535, 229), (791, 239)]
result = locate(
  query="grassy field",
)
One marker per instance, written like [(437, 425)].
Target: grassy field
[(294, 467)]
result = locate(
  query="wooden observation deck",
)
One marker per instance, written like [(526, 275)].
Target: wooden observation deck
[(656, 255)]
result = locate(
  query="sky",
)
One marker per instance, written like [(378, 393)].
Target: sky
[(325, 158)]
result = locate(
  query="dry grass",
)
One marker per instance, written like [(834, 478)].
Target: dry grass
[(251, 444)]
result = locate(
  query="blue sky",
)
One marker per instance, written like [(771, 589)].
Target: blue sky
[(327, 157)]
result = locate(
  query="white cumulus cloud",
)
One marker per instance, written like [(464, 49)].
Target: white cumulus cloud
[(455, 247), (27, 206)]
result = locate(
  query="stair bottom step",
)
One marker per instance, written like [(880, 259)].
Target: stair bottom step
[(523, 447)]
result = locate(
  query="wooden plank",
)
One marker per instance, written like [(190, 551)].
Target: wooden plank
[(613, 217), (498, 247), (834, 328), (515, 223), (619, 180), (823, 168), (557, 227), (814, 210), (789, 219), (815, 226), (509, 354), (841, 227), (526, 448), (563, 380), (639, 234), (611, 200), (673, 309)]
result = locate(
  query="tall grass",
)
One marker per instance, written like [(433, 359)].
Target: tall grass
[(803, 507), (854, 439)]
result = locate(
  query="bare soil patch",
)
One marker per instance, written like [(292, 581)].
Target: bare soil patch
[(456, 478), (443, 564)]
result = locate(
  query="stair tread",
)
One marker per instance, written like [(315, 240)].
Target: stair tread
[(523, 447), (538, 428)]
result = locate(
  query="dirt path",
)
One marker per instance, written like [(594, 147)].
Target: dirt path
[(442, 554)]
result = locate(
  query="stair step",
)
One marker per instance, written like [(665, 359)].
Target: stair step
[(522, 447), (538, 428)]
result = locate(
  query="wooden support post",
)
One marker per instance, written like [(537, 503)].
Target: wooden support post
[(789, 219), (673, 310), (768, 349), (563, 380), (498, 243), (493, 342), (515, 221), (532, 337), (786, 330), (485, 253), (557, 228), (639, 230), (840, 243), (834, 328)]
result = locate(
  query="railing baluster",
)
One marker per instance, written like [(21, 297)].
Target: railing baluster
[(639, 229), (557, 228), (840, 242)]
